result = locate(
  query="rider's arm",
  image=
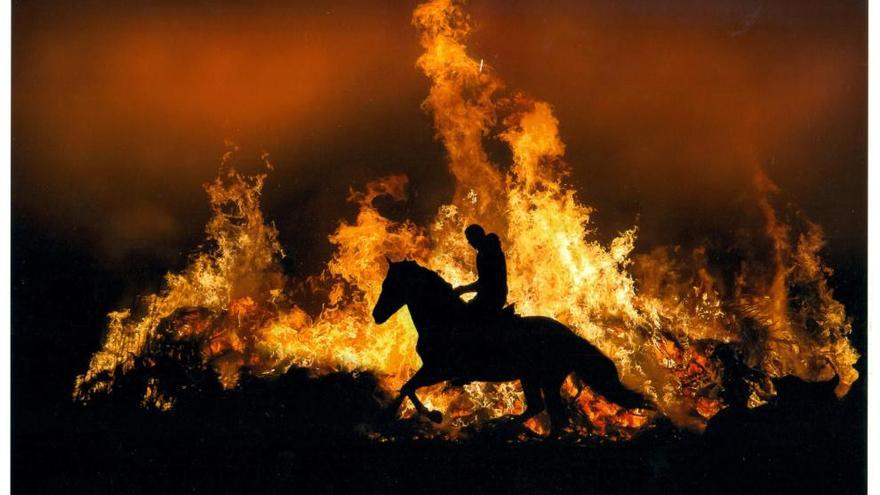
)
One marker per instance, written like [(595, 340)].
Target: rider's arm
[(464, 289)]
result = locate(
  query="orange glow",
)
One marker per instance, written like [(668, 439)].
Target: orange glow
[(657, 316)]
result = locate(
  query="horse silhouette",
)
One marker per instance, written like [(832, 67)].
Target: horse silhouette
[(538, 351)]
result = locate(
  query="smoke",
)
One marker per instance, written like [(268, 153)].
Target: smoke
[(664, 113)]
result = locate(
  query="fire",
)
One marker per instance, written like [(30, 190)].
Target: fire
[(658, 316)]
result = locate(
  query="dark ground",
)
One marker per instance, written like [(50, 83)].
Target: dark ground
[(298, 435)]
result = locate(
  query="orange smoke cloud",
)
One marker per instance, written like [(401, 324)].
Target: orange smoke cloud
[(661, 110)]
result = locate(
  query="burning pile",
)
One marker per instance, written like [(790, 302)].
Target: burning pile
[(658, 316)]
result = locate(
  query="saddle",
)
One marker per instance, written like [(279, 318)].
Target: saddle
[(487, 320)]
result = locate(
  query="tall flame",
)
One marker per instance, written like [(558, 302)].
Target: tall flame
[(658, 316)]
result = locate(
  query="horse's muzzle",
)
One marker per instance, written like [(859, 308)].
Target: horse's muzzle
[(378, 317)]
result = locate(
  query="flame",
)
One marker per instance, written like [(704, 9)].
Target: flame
[(805, 328), (658, 315)]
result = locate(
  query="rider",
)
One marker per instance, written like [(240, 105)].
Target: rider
[(491, 284)]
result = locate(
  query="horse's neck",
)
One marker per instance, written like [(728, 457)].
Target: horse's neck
[(429, 312), (421, 314)]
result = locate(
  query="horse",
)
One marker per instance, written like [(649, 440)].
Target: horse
[(538, 351)]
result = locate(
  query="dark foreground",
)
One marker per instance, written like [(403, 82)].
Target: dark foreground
[(259, 440), (298, 435)]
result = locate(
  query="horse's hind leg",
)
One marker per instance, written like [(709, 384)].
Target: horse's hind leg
[(534, 400), (553, 398)]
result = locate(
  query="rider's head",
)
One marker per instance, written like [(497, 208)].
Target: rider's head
[(475, 235)]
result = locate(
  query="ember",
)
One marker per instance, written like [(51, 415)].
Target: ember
[(658, 316)]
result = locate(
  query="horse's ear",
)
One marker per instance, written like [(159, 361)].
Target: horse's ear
[(389, 261)]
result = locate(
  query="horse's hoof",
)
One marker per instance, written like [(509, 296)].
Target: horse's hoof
[(435, 416)]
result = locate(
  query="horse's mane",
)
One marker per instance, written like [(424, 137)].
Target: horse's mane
[(433, 280)]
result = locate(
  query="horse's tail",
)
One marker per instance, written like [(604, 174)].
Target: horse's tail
[(600, 374)]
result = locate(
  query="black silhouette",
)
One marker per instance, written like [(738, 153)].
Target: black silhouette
[(538, 351), (736, 376), (491, 284)]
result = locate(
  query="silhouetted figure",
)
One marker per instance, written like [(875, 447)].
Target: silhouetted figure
[(491, 284), (735, 377), (539, 352), (732, 423)]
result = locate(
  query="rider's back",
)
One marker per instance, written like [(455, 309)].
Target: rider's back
[(492, 270)]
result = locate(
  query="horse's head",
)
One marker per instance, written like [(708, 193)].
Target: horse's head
[(393, 295)]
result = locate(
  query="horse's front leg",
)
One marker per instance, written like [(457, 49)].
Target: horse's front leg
[(422, 378)]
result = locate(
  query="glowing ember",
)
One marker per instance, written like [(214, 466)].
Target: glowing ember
[(658, 316)]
